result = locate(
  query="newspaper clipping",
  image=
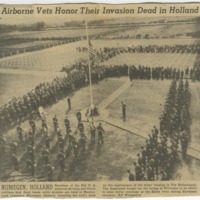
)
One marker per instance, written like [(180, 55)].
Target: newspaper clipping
[(99, 100)]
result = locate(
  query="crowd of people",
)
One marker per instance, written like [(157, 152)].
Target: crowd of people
[(156, 157), (49, 139), (107, 53), (160, 157), (196, 69), (45, 94), (145, 72), (156, 73), (111, 51)]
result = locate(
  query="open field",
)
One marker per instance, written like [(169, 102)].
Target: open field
[(179, 61), (65, 55), (145, 101), (33, 44), (29, 46), (18, 84), (51, 59), (60, 33), (161, 31)]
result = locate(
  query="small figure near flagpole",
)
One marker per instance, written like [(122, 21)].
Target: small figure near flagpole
[(92, 110)]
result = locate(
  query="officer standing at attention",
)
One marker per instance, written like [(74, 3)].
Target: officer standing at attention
[(69, 103), (124, 111)]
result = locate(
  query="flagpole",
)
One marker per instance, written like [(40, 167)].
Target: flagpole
[(90, 79)]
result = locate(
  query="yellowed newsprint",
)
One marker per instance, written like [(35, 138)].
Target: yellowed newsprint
[(99, 100)]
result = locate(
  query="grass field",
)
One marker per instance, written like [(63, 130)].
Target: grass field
[(33, 43), (145, 101), (164, 30), (20, 82), (51, 59), (60, 33)]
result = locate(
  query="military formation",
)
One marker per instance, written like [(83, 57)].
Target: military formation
[(43, 140), (145, 72), (161, 155), (158, 159), (107, 53), (158, 49)]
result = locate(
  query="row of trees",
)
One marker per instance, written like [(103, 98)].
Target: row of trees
[(22, 27)]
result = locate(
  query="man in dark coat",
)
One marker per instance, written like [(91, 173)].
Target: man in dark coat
[(131, 177), (69, 103), (124, 111)]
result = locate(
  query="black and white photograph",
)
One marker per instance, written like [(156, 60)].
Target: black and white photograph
[(96, 93)]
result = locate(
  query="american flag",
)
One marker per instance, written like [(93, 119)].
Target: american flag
[(92, 52)]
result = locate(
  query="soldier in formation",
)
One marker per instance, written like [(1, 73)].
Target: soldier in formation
[(159, 158)]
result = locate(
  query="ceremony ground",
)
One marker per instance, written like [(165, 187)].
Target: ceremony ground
[(122, 140), (121, 146)]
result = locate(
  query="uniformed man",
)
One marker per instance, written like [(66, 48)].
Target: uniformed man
[(81, 127), (67, 123), (69, 103), (20, 133), (45, 151), (163, 176), (30, 152), (13, 148), (61, 144), (144, 157), (15, 162), (156, 131), (31, 137), (44, 124), (150, 174), (148, 150), (75, 148), (30, 166), (47, 142), (156, 160), (92, 132), (55, 123), (81, 144), (100, 132), (33, 126), (140, 160), (71, 138), (138, 171), (61, 161), (130, 176), (45, 159), (78, 115), (49, 172), (2, 145), (123, 111)]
